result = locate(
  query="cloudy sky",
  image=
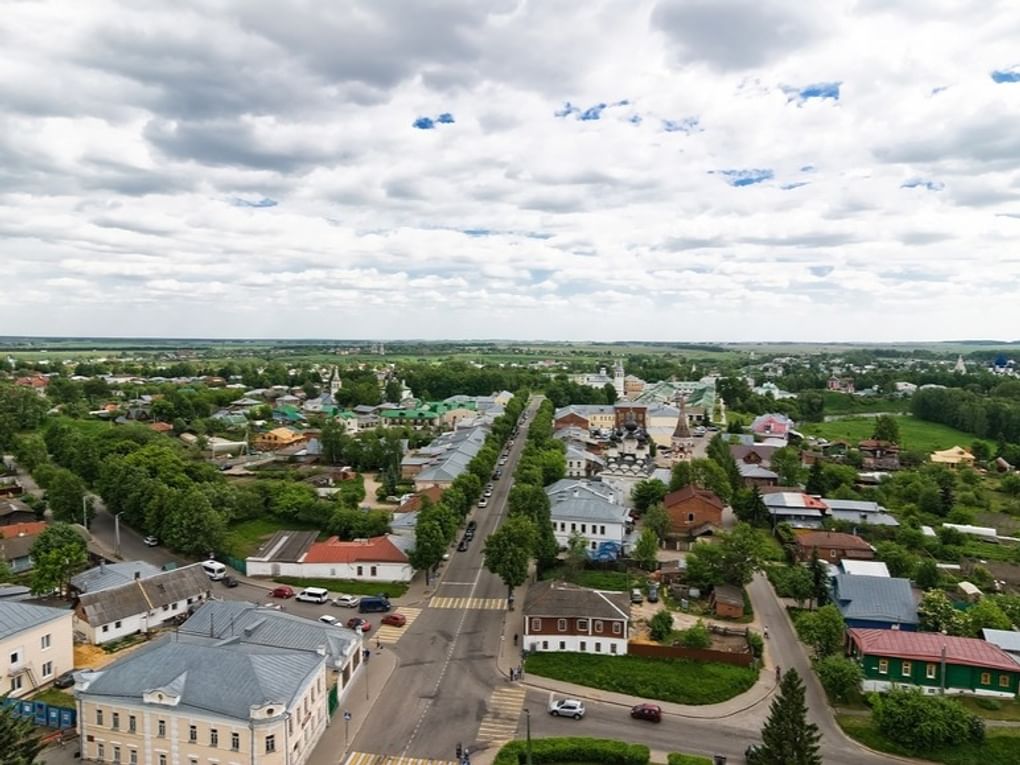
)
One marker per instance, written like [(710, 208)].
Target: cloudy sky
[(672, 169)]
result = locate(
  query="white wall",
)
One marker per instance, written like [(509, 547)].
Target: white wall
[(32, 656), (614, 532), (384, 572), (129, 625), (573, 643), (885, 685)]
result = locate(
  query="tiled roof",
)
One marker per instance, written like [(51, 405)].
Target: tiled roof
[(831, 539), (928, 646), (560, 599), (794, 499), (688, 493), (17, 617), (28, 528), (413, 503), (375, 550)]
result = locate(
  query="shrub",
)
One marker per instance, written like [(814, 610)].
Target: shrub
[(754, 640), (574, 749), (922, 722), (661, 625), (992, 705), (679, 758), (840, 677), (696, 636)]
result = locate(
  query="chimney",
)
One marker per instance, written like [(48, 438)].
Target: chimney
[(138, 575), (102, 565)]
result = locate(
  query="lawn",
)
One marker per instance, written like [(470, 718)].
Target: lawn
[(1000, 747), (992, 709), (916, 435), (842, 403), (618, 581), (349, 587), (678, 680), (244, 538), (55, 697)]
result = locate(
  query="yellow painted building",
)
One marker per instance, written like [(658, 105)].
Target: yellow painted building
[(36, 647)]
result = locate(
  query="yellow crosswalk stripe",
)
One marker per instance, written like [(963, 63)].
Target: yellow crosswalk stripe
[(490, 604), (368, 758), (504, 712), (389, 634)]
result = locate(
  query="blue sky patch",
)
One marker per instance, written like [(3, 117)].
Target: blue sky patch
[(592, 113), (567, 110), (445, 119), (747, 177), (1006, 75), (263, 202), (424, 123), (634, 119), (923, 183), (687, 125), (818, 90), (794, 185)]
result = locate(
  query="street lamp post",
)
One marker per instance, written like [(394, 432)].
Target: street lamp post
[(527, 728), (84, 512), (116, 533)]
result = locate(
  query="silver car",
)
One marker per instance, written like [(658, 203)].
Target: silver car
[(567, 708)]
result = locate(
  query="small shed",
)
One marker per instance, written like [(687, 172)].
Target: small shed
[(728, 601), (969, 591)]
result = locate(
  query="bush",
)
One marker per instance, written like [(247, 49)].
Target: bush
[(992, 705), (696, 636), (840, 677), (754, 640), (660, 625), (574, 749), (922, 722)]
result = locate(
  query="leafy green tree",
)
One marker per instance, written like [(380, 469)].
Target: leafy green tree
[(696, 636), (22, 741), (786, 463), (5, 572), (20, 410), (886, 429), (819, 579), (192, 526), (840, 677), (680, 476), (657, 519), (529, 500), (823, 630), (812, 405), (705, 565), (750, 507), (646, 494), (922, 723), (429, 546), (936, 614), (508, 551), (392, 391), (576, 557), (58, 554), (719, 452), (787, 737), (816, 479), (65, 494), (30, 451), (986, 614), (927, 574), (646, 550), (800, 584), (609, 392), (1010, 484), (898, 559), (660, 625), (743, 552)]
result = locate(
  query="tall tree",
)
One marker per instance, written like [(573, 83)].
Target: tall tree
[(788, 738), (819, 579), (646, 493), (786, 462), (886, 429), (646, 550), (429, 546), (816, 479), (22, 742), (509, 549), (657, 519), (58, 554), (577, 555), (66, 494)]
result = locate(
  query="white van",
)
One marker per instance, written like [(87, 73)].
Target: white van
[(214, 569), (313, 595)]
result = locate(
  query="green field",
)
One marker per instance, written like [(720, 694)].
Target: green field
[(1000, 747), (680, 681), (916, 435)]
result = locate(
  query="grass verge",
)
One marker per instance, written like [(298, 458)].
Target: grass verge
[(680, 681), (916, 435), (244, 538), (56, 697), (1000, 747), (617, 581), (346, 586)]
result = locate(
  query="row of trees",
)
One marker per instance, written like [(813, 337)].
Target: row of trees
[(996, 417)]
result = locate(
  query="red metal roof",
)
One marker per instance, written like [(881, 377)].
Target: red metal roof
[(690, 492), (830, 539), (22, 529), (928, 646), (375, 550)]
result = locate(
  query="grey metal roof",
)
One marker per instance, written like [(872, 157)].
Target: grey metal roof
[(566, 487), (250, 623), (875, 598), (560, 599), (867, 519), (226, 679), (143, 595), (286, 546), (856, 505), (749, 470), (588, 508), (110, 575), (15, 617), (1007, 640)]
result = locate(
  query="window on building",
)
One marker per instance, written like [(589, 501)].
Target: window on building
[(561, 625), (598, 625), (573, 527), (100, 752), (1004, 681), (373, 571), (174, 606), (162, 759), (883, 666), (132, 724), (116, 624), (598, 648), (563, 645), (690, 517), (99, 717), (115, 720), (545, 645), (132, 757), (235, 741), (116, 754), (16, 683), (161, 728), (582, 624), (602, 530), (15, 657), (594, 546), (612, 648), (832, 554), (192, 733), (584, 528), (106, 628), (193, 761), (986, 678), (905, 668), (929, 671), (617, 628), (584, 645), (214, 737), (361, 570), (47, 669), (44, 642), (166, 607), (270, 744)]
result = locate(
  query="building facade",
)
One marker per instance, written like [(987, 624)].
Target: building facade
[(564, 617), (36, 647)]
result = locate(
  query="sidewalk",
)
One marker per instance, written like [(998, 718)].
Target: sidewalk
[(332, 748)]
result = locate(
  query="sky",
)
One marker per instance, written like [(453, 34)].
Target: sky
[(691, 170)]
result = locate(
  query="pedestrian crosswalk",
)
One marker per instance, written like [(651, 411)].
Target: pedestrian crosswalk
[(491, 604), (367, 758), (389, 634), (500, 722)]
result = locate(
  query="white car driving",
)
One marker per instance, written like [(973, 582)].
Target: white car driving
[(567, 708), (346, 601)]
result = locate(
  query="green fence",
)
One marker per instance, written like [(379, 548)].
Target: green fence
[(333, 700), (235, 563)]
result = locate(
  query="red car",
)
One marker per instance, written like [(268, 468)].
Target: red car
[(283, 591), (395, 620), (650, 712), (356, 621)]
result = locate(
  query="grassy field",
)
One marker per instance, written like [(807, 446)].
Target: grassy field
[(1001, 746), (616, 581), (917, 435), (843, 403), (678, 680), (244, 538), (348, 587), (56, 697)]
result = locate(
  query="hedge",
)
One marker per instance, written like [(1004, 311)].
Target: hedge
[(545, 751), (679, 758)]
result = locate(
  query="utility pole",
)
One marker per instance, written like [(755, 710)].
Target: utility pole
[(116, 533), (527, 723), (84, 511)]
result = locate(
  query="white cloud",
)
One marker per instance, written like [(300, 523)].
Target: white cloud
[(142, 150)]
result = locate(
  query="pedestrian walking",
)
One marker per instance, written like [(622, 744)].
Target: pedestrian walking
[(765, 629), (779, 673), (515, 638)]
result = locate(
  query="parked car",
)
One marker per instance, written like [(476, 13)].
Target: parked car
[(469, 534), (151, 541), (327, 619), (472, 526), (283, 591), (356, 621), (650, 712), (636, 596), (463, 546), (483, 502), (346, 601), (394, 620), (230, 581), (374, 604), (488, 492), (567, 708), (653, 593), (65, 680)]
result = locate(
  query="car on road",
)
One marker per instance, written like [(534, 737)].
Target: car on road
[(472, 525), (636, 596), (469, 534), (394, 620), (356, 621), (567, 708), (483, 502), (653, 593), (488, 492), (650, 712), (502, 461), (346, 601), (230, 581), (313, 595), (463, 546), (151, 541), (283, 591), (327, 619), (497, 473), (65, 680)]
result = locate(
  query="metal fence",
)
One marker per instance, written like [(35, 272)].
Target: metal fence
[(43, 714)]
